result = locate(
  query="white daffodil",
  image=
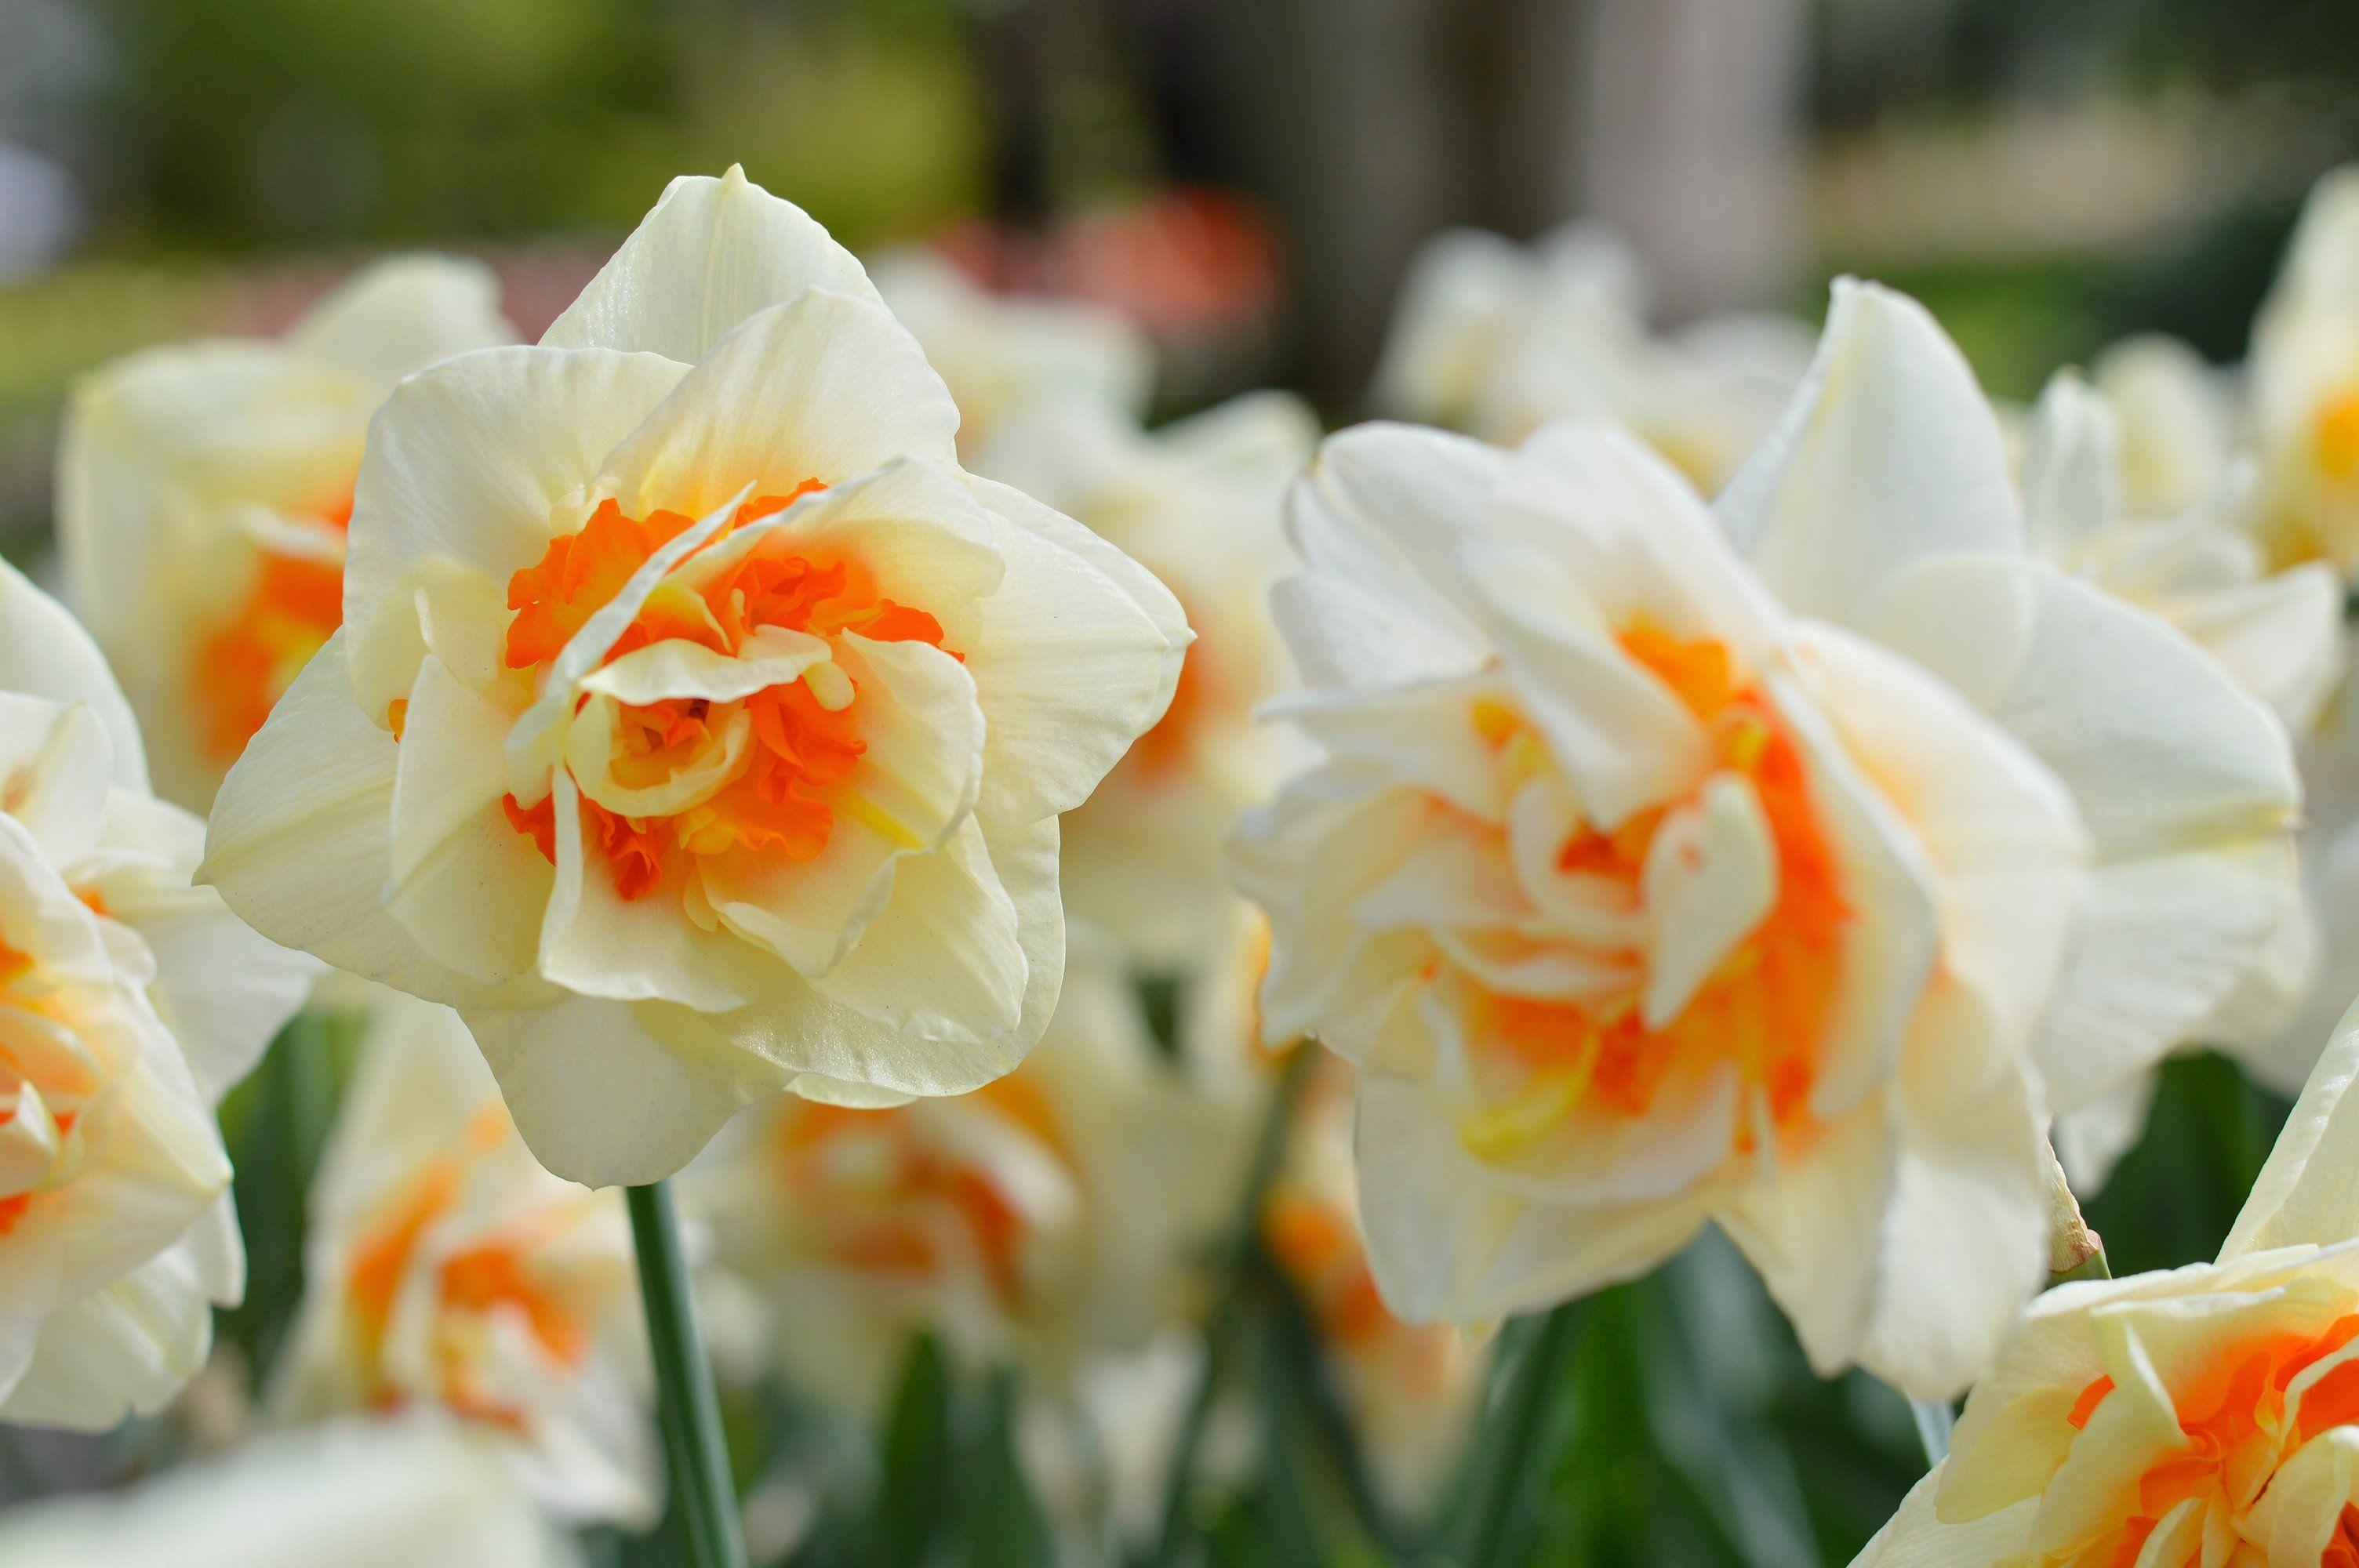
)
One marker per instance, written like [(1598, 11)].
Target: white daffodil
[(1001, 355), (203, 491), (2278, 633), (446, 1268), (1052, 1217), (1654, 878), (1496, 339), (2303, 384), (397, 1494), (697, 728), (130, 1001), (1198, 502), (2206, 1414)]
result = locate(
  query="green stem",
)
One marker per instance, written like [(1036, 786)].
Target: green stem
[(685, 1398), (1228, 1313), (1505, 1456)]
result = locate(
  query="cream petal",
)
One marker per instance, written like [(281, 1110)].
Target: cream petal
[(2071, 469), (45, 653), (298, 842), (1375, 518), (468, 463), (1888, 454), (709, 254), (1446, 1239), (1966, 1239), (1917, 1537), (1632, 532), (2281, 638), (1419, 732), (808, 912), (398, 316), (596, 943), (824, 387), (942, 960), (1074, 657), (2299, 1516), (677, 668), (1710, 877), (916, 525), (476, 901), (127, 1348), (617, 1093), (2186, 785), (54, 767), (451, 765), (926, 763), (1812, 1221), (2308, 1191), (809, 1032)]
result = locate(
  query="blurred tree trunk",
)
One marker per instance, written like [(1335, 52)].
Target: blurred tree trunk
[(1690, 141)]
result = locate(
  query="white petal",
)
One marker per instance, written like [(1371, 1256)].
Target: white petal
[(398, 316), (2071, 469), (825, 388), (709, 254), (2308, 1191), (1076, 656), (615, 1093), (676, 669), (297, 844), (45, 653), (1710, 877), (1889, 454)]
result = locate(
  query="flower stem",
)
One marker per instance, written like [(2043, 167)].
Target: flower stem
[(1504, 1455), (685, 1400)]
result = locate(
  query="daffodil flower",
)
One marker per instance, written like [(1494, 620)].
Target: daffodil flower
[(130, 1001), (446, 1270), (1781, 868), (697, 728), (1497, 340), (203, 491), (2204, 1414)]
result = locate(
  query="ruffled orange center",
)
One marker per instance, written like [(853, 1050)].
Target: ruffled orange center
[(43, 1098), (2241, 1421), (1765, 1007), (878, 1198), (248, 662), (497, 1275), (781, 798)]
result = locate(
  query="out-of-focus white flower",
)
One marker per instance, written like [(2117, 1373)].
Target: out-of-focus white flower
[(130, 1001), (1496, 339), (1196, 502), (1050, 1216), (2303, 384), (2280, 633), (446, 1268), (1652, 882), (2208, 1414), (407, 1493), (1003, 355), (203, 491), (698, 728), (2178, 431)]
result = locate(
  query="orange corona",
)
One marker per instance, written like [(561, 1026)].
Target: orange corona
[(2241, 1420), (782, 799), (245, 664), (1766, 1005)]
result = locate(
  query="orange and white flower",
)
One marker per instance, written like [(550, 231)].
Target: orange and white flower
[(1003, 355), (2302, 375), (697, 728), (203, 492), (1497, 340), (1198, 502), (377, 1494), (1052, 1217), (129, 1003), (1654, 878), (446, 1269), (2203, 1415)]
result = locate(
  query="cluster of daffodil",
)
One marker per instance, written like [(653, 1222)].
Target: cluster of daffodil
[(1715, 781)]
